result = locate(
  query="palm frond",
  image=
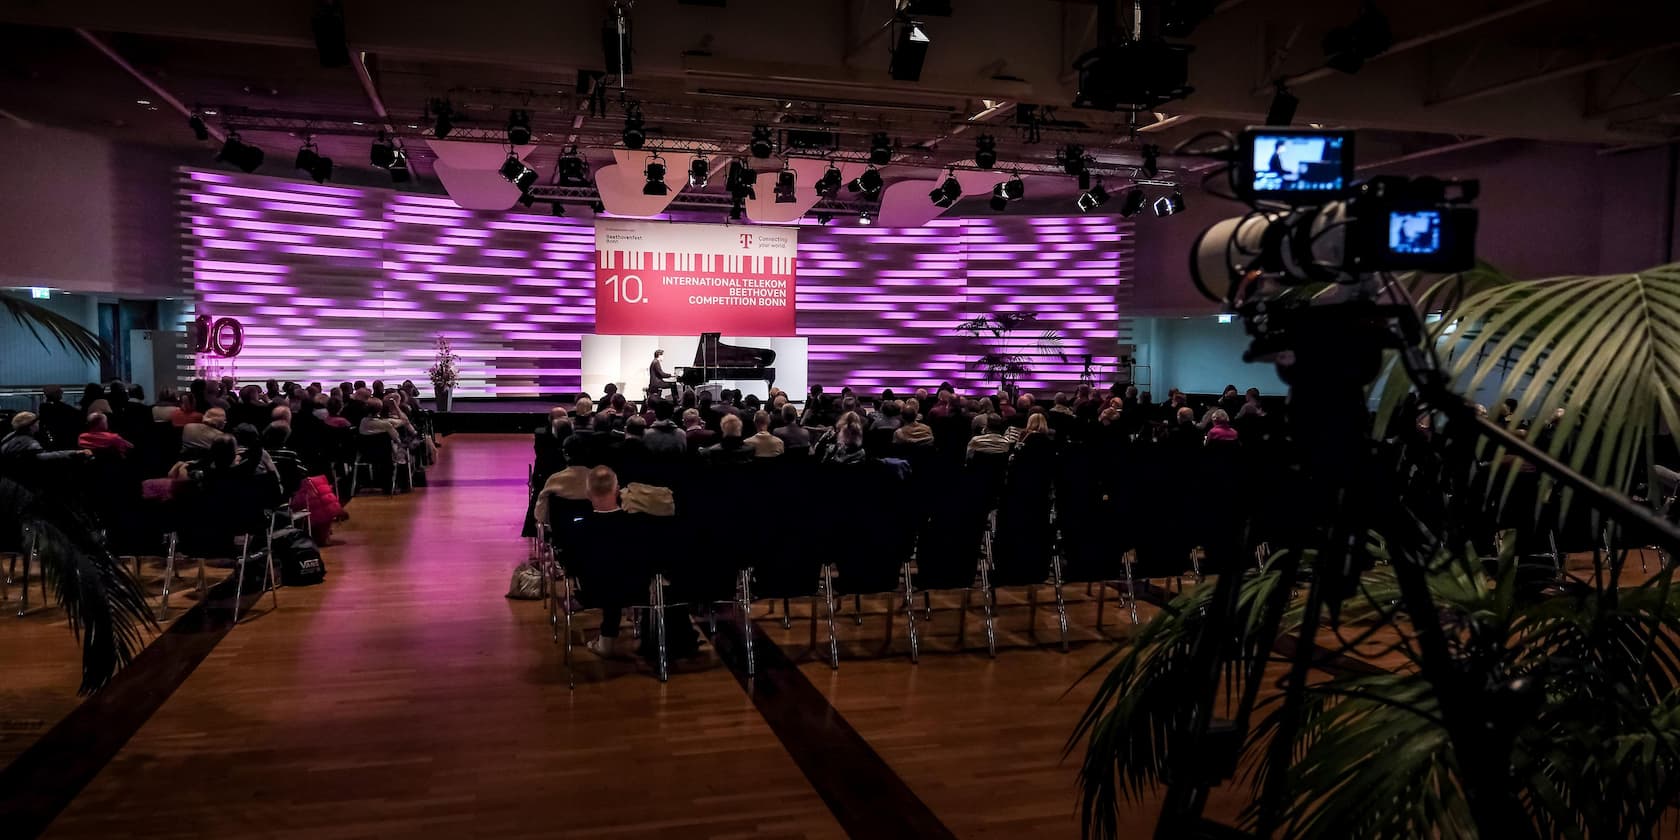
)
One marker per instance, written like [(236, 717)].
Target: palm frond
[(69, 334), (106, 607)]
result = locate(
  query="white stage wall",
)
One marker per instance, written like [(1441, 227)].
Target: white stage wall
[(624, 360)]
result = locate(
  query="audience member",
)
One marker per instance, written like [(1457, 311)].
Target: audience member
[(764, 444), (697, 434), (98, 438), (992, 441), (890, 417), (913, 431), (664, 439), (1220, 430), (731, 446), (60, 421), (843, 444), (796, 439), (199, 435)]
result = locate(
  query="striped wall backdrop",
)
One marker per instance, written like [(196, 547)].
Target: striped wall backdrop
[(339, 283)]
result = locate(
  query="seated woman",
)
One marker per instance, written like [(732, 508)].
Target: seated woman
[(843, 444)]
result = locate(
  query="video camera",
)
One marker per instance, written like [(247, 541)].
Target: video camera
[(1311, 222)]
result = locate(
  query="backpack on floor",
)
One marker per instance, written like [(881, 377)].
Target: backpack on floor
[(300, 561), (527, 583)]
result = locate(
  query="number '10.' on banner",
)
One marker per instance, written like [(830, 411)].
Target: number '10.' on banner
[(659, 278)]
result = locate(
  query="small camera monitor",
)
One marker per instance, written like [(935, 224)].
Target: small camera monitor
[(1414, 232), (1292, 165)]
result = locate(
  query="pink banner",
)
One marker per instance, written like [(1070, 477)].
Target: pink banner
[(659, 278)]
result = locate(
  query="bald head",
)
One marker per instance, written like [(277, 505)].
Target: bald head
[(215, 418), (602, 487)]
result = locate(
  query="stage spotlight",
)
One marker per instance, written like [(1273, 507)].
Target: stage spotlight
[(824, 218), (383, 153), (527, 199), (910, 52), (242, 155), (199, 129), (741, 180), (1167, 205), (985, 151), (880, 149), (1000, 200), (634, 134), (1151, 160), (1092, 198), (311, 161), (760, 145), (869, 183), (1014, 189), (699, 171), (574, 170), (1133, 202), (863, 217), (655, 173), (1071, 158), (519, 127), (786, 187), (518, 174), (947, 193), (399, 168), (829, 184), (443, 118)]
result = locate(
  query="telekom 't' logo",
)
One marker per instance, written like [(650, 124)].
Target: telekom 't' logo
[(746, 240)]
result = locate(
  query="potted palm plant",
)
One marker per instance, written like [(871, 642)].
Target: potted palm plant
[(1557, 713), (1003, 362), (445, 372)]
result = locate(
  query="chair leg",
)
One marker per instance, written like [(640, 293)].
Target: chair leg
[(1061, 603), (989, 604), (355, 474), (857, 608), (168, 575), (273, 581), (787, 616), (566, 607), (239, 588), (962, 617), (659, 625), (745, 610), (828, 600), (927, 604), (910, 616), (28, 555), (1131, 587)]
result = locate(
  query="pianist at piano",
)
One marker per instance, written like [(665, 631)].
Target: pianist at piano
[(709, 361)]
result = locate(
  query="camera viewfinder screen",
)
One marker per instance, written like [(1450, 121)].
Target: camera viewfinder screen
[(1415, 232), (1306, 163)]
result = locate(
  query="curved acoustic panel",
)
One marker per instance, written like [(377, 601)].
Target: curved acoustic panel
[(807, 171), (620, 184), (476, 188), (463, 154), (906, 203)]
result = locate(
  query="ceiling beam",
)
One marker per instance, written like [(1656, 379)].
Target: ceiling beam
[(1551, 75), (1429, 153), (1411, 43), (157, 90)]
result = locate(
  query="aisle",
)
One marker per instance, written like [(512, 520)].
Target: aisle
[(407, 696)]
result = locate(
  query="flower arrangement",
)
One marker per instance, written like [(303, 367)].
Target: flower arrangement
[(445, 370)]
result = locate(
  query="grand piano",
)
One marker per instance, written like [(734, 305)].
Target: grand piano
[(715, 360)]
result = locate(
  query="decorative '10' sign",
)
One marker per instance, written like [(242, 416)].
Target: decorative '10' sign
[(223, 337)]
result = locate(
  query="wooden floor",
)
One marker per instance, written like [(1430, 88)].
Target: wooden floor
[(407, 695)]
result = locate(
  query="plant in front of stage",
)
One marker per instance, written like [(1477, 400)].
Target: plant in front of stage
[(1003, 362), (445, 372)]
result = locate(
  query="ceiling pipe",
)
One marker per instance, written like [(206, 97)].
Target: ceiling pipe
[(1429, 153), (157, 90), (1409, 44), (1552, 76)]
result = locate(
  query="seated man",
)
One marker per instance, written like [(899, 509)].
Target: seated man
[(197, 437), (763, 444), (731, 448), (994, 441), (793, 435), (99, 439), (611, 577)]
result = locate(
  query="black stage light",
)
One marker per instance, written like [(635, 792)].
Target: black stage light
[(1151, 160), (574, 170), (1167, 205), (399, 168), (597, 207), (947, 193), (910, 51), (1000, 199), (1133, 202), (634, 134), (557, 209), (526, 180), (880, 149), (760, 144), (199, 129), (868, 183), (1282, 111), (527, 199), (1014, 189), (741, 180), (242, 155), (383, 152), (443, 118), (311, 161), (824, 218), (786, 188), (985, 151), (518, 174), (1092, 198), (829, 184), (863, 217), (519, 127), (699, 171), (1072, 158), (655, 173)]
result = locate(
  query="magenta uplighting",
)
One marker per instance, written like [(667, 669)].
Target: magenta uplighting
[(338, 282)]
